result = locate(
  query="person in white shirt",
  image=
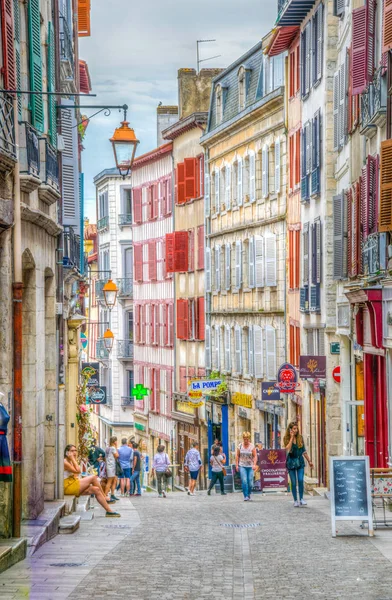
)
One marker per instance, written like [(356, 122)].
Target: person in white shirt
[(217, 461), (193, 465), (161, 465)]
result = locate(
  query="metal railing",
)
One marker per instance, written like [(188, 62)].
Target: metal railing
[(374, 100), (124, 349), (128, 401), (7, 131), (52, 166), (100, 350), (66, 50), (30, 160), (125, 219), (103, 223), (71, 251), (125, 287)]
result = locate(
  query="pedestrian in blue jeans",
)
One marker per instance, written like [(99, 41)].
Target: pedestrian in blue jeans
[(296, 452), (135, 477), (246, 463)]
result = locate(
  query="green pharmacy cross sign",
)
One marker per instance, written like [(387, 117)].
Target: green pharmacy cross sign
[(139, 391)]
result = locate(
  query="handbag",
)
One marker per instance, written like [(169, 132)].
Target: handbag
[(220, 465), (168, 472), (292, 463), (119, 470)]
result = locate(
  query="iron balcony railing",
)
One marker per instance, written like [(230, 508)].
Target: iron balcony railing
[(128, 401), (103, 223), (7, 131), (125, 287), (52, 166), (71, 252), (125, 349), (29, 152), (374, 102), (125, 220), (66, 50), (100, 350)]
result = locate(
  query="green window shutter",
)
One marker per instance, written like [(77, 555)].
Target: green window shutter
[(52, 129), (36, 100), (17, 53)]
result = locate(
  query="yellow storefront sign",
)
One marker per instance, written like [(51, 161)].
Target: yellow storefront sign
[(185, 407), (242, 399)]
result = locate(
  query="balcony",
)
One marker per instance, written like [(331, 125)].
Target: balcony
[(293, 12), (125, 287), (125, 349), (127, 402), (103, 224), (71, 251), (66, 56), (7, 133), (374, 104), (49, 190), (29, 158), (304, 300), (125, 220), (100, 350)]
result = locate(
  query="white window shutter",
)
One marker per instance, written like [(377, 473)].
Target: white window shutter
[(259, 261), (227, 348), (251, 262), (258, 351), (270, 349), (277, 166), (240, 199), (264, 175), (238, 264), (342, 98), (252, 177), (228, 188), (336, 111), (319, 42), (217, 348), (217, 268), (270, 259), (308, 32), (228, 267), (238, 349), (207, 269), (207, 347), (217, 191), (251, 368), (207, 207)]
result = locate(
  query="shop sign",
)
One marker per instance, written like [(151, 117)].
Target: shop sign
[(335, 347), (312, 367), (270, 408), (204, 385), (242, 399), (287, 380), (185, 407), (83, 340), (243, 413), (269, 391), (273, 472), (140, 427), (97, 395), (195, 398), (91, 369)]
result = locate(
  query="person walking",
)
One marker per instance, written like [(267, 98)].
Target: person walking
[(111, 457), (125, 455), (161, 465), (136, 465), (193, 465), (246, 464), (217, 461), (296, 452), (74, 486), (96, 455)]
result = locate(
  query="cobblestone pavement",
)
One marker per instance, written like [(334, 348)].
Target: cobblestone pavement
[(186, 548)]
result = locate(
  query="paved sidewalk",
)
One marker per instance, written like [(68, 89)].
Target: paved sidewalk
[(186, 548)]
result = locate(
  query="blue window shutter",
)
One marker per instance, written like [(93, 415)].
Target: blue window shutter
[(36, 100), (70, 171)]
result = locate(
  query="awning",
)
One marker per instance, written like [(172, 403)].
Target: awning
[(293, 12), (281, 39)]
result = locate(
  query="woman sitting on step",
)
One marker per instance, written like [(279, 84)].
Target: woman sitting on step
[(74, 486)]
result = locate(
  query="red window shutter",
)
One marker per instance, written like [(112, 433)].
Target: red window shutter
[(169, 196), (385, 216), (152, 390), (143, 324), (165, 324), (84, 10), (190, 178), (200, 247), (164, 197), (150, 202), (170, 324), (291, 274), (183, 380), (201, 319), (7, 33), (387, 26), (155, 201), (371, 23), (138, 261), (292, 344), (359, 50), (350, 93), (152, 260), (137, 205), (191, 246), (349, 198), (169, 391), (158, 324), (182, 319), (357, 256), (365, 188), (169, 252), (297, 257), (137, 323), (181, 251), (181, 183)]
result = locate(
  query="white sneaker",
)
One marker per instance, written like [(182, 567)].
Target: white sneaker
[(303, 502), (122, 495), (164, 494), (296, 504)]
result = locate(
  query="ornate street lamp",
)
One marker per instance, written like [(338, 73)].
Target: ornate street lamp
[(124, 144), (110, 291), (108, 339)]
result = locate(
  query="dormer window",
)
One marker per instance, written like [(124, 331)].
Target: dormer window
[(219, 104), (241, 88)]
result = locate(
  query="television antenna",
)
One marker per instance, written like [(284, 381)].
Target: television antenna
[(199, 60)]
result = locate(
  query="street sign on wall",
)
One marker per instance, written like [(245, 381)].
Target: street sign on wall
[(204, 385), (273, 472)]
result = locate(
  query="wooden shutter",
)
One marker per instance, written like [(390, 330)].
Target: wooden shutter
[(169, 196), (292, 344), (370, 36), (342, 104), (270, 259), (357, 254), (251, 362), (264, 173), (182, 319), (207, 347), (137, 323), (155, 200), (191, 250), (338, 229), (217, 348), (51, 68), (359, 50), (319, 41), (387, 26), (177, 252), (200, 247), (18, 82), (207, 206), (35, 59), (169, 252), (7, 33), (217, 191), (318, 244), (183, 380), (70, 171), (251, 262), (277, 166), (227, 345), (308, 59), (238, 349), (364, 202), (339, 7), (305, 254), (308, 138), (137, 205), (240, 198), (138, 261), (349, 212), (291, 259), (170, 328), (190, 178), (349, 92), (152, 260), (228, 187), (228, 267), (207, 269), (84, 25), (270, 350), (200, 189), (252, 177), (259, 261), (180, 173), (258, 351), (201, 318), (217, 250), (385, 215), (238, 264)]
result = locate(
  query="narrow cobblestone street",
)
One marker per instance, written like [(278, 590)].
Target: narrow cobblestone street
[(186, 548)]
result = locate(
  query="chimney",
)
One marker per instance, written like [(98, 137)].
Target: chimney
[(166, 116), (194, 90)]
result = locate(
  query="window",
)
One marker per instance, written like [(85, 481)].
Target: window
[(190, 319), (273, 73), (126, 202), (218, 104), (129, 325), (363, 46), (264, 173), (294, 71), (317, 44), (103, 205), (294, 344), (311, 157), (130, 383), (241, 89), (216, 191), (128, 266), (315, 342), (340, 106)]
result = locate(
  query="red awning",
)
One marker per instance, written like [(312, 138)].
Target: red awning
[(84, 77), (281, 39)]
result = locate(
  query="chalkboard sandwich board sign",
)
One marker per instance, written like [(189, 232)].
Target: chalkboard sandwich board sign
[(350, 490)]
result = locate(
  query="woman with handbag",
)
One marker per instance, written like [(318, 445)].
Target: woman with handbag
[(111, 468), (246, 464), (161, 465), (296, 452), (217, 461)]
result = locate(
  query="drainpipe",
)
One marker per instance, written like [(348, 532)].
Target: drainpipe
[(17, 290)]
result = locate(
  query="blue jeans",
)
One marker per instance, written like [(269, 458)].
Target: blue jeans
[(136, 478), (294, 475), (246, 480)]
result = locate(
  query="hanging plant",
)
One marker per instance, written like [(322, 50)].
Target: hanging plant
[(85, 433)]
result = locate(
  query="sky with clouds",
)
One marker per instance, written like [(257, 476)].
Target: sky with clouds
[(135, 50)]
